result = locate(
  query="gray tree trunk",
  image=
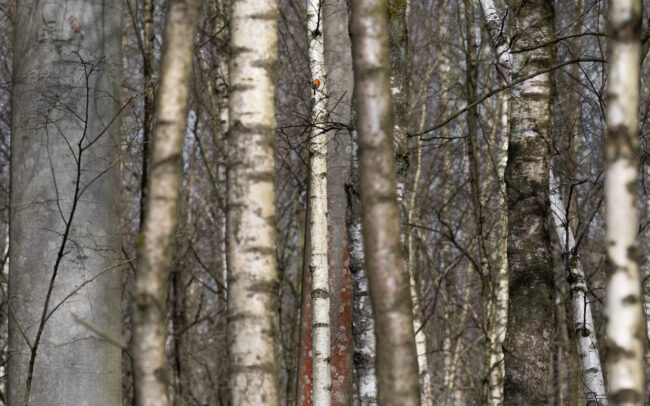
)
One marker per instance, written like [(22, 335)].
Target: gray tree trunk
[(531, 291), (338, 63), (397, 368), (155, 244), (65, 256), (252, 270)]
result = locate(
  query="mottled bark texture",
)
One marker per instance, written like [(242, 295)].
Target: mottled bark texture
[(155, 243), (496, 293), (65, 204), (397, 369), (583, 323), (148, 73), (339, 82), (625, 328), (363, 322), (531, 291), (252, 271)]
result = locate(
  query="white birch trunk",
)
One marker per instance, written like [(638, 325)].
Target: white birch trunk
[(582, 318), (320, 294), (363, 322), (624, 332), (420, 338), (252, 271), (500, 40)]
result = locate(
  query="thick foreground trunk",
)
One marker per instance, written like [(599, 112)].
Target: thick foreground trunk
[(397, 368), (65, 256)]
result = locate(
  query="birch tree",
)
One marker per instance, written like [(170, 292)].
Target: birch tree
[(156, 242), (531, 291), (320, 292), (625, 328), (252, 273), (582, 319), (65, 204), (363, 321), (397, 368)]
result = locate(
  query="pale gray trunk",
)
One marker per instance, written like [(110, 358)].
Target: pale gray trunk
[(252, 271), (624, 331), (397, 367), (155, 244), (583, 323), (64, 279), (338, 62)]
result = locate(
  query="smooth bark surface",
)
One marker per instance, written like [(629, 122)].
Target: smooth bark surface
[(156, 243), (338, 62), (65, 204), (252, 270), (625, 327), (531, 292), (397, 369)]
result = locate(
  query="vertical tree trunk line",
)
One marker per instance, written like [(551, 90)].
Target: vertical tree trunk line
[(397, 366), (363, 322), (582, 319), (252, 269), (531, 290), (64, 204), (320, 291), (338, 63), (155, 244), (624, 331)]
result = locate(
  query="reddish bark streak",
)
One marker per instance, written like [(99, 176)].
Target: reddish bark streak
[(304, 380), (341, 366)]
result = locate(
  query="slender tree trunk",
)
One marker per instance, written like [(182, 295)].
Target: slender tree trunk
[(252, 271), (338, 60), (65, 255), (531, 311), (496, 302), (397, 368), (148, 63), (156, 242), (592, 374), (363, 322), (320, 291), (304, 386), (624, 332)]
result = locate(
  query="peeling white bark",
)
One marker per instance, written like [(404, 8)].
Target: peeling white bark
[(583, 324)]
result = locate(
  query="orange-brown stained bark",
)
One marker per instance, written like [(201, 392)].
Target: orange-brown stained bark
[(341, 315), (304, 385)]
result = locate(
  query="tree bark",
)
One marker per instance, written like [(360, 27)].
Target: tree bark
[(252, 271), (320, 291), (592, 373), (363, 322), (65, 204), (338, 62), (397, 368), (155, 244), (625, 329), (531, 292)]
